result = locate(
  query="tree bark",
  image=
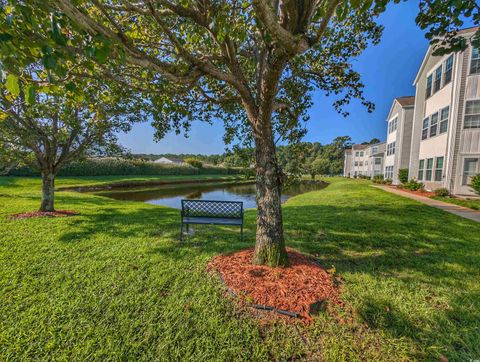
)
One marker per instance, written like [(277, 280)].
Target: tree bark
[(270, 244), (48, 191)]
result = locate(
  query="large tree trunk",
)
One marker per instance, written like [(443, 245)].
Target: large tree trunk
[(48, 190), (270, 245)]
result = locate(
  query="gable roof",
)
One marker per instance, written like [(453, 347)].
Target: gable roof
[(172, 159), (360, 147), (465, 31), (406, 101)]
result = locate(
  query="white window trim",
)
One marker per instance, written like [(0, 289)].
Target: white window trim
[(470, 62), (464, 112)]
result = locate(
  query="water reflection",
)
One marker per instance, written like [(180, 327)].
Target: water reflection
[(171, 195)]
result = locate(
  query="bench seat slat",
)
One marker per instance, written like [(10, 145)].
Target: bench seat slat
[(209, 220)]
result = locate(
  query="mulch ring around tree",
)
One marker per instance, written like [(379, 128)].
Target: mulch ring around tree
[(300, 290), (56, 213)]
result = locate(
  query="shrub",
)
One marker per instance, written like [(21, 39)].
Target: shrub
[(194, 162), (377, 179), (475, 184), (413, 185), (388, 181), (403, 175), (122, 167), (442, 192)]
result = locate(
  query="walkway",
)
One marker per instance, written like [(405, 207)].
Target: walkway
[(445, 206)]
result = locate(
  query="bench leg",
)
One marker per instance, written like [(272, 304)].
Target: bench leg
[(181, 232), (241, 232)]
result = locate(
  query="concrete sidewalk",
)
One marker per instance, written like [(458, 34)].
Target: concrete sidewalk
[(445, 206)]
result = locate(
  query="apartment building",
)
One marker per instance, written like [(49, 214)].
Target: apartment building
[(445, 147), (399, 137), (364, 160)]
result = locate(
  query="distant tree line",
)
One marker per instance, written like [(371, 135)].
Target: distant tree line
[(215, 159), (301, 158)]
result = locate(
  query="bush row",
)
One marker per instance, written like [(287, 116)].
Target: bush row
[(378, 179), (119, 167)]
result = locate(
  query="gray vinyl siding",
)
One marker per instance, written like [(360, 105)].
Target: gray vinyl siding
[(406, 137)]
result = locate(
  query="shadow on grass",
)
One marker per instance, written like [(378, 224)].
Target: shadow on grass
[(425, 260), (403, 249)]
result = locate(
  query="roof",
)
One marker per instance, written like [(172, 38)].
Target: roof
[(406, 101), (360, 147), (176, 160), (465, 31)]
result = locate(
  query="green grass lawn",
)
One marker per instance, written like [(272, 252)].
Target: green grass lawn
[(115, 284), (470, 203)]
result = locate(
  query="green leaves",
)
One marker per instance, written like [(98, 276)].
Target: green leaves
[(30, 94), (12, 85), (99, 49), (57, 36)]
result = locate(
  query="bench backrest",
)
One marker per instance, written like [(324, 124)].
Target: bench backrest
[(212, 208)]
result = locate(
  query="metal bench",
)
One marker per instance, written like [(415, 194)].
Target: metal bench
[(210, 212)]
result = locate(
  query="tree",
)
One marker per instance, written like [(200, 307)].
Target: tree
[(318, 166), (194, 162), (252, 63), (45, 126), (372, 141), (475, 183)]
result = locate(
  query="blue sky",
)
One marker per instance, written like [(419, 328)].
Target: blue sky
[(387, 71)]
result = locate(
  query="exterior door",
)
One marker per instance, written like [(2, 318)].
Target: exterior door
[(470, 167)]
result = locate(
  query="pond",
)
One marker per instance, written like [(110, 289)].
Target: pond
[(171, 195)]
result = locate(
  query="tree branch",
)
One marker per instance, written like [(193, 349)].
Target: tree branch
[(293, 44)]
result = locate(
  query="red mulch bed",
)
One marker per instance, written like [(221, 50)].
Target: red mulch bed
[(419, 193), (294, 288), (57, 213)]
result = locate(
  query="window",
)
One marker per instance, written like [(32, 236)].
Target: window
[(428, 174), (357, 154), (361, 154), (425, 128), (444, 120), (392, 125), (428, 91), (360, 163), (439, 169), (472, 114), (438, 79), (374, 150), (378, 161), (391, 149), (469, 170), (448, 70), (388, 173), (421, 166), (475, 63), (433, 124), (356, 163)]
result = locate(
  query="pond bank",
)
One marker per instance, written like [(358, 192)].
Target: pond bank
[(152, 182)]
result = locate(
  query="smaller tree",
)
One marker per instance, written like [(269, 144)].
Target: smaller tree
[(475, 183), (403, 175), (45, 126), (194, 162), (318, 166)]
